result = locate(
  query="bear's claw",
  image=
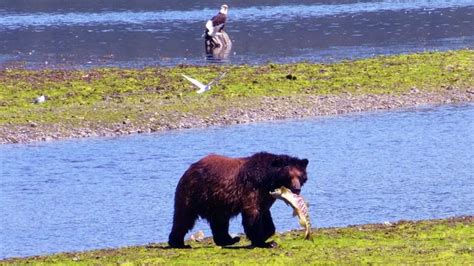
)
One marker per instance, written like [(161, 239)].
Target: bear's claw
[(271, 244)]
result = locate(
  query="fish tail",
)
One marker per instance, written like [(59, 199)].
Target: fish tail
[(307, 235)]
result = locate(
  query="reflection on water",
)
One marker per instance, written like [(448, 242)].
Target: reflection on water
[(93, 193), (218, 54), (142, 33)]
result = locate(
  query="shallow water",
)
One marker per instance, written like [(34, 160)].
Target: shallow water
[(364, 168), (58, 33)]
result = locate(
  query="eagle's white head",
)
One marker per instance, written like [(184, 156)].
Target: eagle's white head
[(224, 9)]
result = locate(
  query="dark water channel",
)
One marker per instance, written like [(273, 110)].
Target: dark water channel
[(364, 168), (63, 33)]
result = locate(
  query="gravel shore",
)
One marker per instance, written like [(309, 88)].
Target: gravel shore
[(253, 110)]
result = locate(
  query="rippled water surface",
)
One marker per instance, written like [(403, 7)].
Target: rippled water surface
[(368, 168), (60, 33)]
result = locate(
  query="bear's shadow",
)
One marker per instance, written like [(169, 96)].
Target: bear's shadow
[(239, 247), (200, 247), (206, 247)]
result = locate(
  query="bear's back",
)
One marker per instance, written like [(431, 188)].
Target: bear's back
[(217, 168), (211, 174)]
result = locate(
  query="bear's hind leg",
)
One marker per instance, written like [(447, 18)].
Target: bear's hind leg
[(220, 231), (182, 223)]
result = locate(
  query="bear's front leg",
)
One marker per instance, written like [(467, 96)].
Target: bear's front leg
[(259, 227), (268, 225)]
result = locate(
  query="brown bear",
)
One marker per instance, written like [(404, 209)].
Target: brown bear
[(217, 188)]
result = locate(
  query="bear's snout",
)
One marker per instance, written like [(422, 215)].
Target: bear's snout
[(297, 191), (295, 186)]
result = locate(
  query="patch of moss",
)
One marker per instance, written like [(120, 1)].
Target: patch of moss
[(107, 95), (448, 241)]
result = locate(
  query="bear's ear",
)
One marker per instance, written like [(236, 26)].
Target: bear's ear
[(303, 163)]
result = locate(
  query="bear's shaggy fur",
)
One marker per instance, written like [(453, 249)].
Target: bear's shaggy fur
[(217, 188)]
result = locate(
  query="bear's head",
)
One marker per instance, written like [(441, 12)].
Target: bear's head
[(268, 172), (289, 172)]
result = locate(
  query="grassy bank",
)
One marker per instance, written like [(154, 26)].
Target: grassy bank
[(157, 98), (446, 241)]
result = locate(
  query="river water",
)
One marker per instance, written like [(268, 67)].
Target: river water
[(78, 34), (364, 168)]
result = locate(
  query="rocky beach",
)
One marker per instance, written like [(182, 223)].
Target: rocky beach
[(254, 110)]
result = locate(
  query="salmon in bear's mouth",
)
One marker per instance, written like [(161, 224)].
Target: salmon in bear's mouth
[(299, 205)]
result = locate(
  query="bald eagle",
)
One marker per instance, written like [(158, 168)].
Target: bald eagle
[(216, 24)]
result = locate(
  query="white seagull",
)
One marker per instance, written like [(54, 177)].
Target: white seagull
[(40, 99), (203, 87)]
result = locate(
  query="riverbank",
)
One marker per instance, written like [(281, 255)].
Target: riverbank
[(445, 241), (111, 102)]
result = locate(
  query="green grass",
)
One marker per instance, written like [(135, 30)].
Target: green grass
[(109, 95), (447, 241)]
